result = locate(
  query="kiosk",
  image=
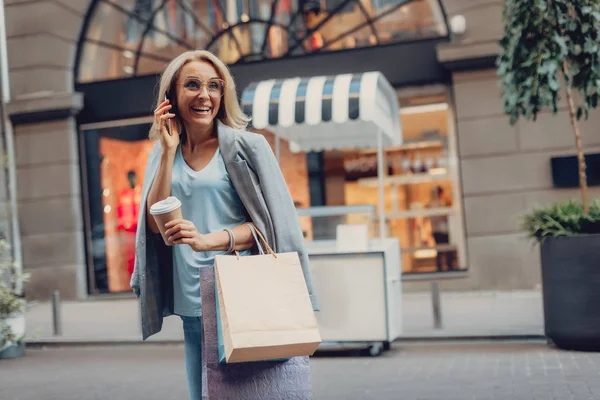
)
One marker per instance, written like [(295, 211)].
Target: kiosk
[(358, 285)]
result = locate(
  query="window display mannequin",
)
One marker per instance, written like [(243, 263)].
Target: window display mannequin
[(128, 211), (312, 19)]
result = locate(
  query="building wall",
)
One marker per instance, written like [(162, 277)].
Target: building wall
[(42, 41), (506, 172), (483, 29)]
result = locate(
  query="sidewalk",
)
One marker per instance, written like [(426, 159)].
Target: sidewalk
[(464, 315)]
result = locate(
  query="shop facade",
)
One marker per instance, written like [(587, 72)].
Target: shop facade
[(83, 75)]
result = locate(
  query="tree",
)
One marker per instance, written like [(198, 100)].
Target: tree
[(10, 303), (543, 41)]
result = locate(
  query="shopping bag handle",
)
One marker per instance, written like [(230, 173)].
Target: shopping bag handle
[(255, 231), (252, 228)]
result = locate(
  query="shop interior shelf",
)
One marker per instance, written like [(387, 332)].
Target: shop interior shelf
[(421, 212), (412, 144), (439, 247), (405, 179)]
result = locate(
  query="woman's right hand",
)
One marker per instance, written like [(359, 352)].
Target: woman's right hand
[(162, 117)]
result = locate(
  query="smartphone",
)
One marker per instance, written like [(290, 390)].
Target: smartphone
[(169, 120)]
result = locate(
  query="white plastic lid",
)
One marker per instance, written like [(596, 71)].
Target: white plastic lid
[(164, 206)]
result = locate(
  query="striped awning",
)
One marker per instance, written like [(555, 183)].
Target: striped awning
[(326, 112)]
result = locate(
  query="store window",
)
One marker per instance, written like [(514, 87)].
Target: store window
[(423, 196), (113, 168), (114, 162), (139, 37)]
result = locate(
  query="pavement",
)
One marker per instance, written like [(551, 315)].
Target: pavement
[(490, 347), (465, 315), (409, 371)]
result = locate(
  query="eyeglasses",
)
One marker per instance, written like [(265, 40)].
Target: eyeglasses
[(214, 87)]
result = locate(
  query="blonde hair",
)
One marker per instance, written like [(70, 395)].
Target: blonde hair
[(229, 113)]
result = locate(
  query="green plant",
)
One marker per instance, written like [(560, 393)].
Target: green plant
[(10, 302), (562, 219), (543, 40)]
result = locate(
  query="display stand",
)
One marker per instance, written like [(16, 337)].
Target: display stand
[(336, 113), (359, 295)]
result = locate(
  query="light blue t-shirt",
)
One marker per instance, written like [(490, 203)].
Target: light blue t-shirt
[(210, 201)]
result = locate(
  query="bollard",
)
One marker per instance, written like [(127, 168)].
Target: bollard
[(437, 307), (56, 321)]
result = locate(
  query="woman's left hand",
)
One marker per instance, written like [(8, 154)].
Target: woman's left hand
[(181, 231)]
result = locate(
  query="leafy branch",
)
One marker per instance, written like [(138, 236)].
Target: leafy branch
[(544, 39), (10, 303)]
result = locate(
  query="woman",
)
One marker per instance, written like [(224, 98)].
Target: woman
[(225, 177)]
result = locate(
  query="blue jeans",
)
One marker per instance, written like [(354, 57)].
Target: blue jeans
[(192, 335)]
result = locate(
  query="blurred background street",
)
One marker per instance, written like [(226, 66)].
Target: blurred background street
[(397, 128)]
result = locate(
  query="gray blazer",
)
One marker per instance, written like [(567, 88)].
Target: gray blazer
[(256, 176)]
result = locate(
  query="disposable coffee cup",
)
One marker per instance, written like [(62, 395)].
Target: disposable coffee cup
[(164, 211)]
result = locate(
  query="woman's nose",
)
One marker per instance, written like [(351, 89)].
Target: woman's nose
[(203, 92)]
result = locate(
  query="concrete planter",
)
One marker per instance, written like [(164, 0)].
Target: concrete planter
[(16, 322), (571, 291)]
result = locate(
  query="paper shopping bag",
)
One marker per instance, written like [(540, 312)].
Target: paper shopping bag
[(220, 344), (245, 381), (264, 307)]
